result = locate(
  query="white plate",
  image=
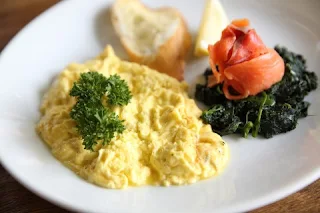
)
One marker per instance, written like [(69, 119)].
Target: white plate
[(260, 171)]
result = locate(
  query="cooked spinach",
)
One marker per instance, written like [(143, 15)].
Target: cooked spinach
[(222, 119), (269, 113)]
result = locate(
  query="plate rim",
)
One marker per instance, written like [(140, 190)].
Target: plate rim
[(246, 206)]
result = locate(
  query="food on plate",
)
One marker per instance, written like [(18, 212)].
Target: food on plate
[(151, 134), (214, 20), (241, 61), (257, 102), (158, 38)]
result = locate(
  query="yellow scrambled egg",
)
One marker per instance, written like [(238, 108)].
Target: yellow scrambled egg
[(165, 142)]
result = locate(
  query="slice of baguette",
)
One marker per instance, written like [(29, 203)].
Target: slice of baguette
[(158, 38)]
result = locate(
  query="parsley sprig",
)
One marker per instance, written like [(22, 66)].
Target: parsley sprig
[(96, 122)]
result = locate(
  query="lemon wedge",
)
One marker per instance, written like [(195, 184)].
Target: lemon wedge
[(214, 20)]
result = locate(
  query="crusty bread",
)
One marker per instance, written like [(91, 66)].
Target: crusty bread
[(158, 38)]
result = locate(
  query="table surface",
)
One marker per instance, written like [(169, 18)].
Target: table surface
[(14, 14)]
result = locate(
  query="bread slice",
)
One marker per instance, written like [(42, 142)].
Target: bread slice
[(158, 38)]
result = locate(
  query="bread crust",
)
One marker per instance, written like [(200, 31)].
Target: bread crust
[(170, 56)]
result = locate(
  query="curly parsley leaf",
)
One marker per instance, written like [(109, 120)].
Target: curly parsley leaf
[(118, 91), (95, 122), (91, 85)]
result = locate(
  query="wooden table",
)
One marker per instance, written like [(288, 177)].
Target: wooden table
[(14, 14)]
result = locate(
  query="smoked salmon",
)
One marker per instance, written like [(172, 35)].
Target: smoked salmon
[(242, 61)]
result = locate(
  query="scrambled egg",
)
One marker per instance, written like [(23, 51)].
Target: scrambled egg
[(165, 142)]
